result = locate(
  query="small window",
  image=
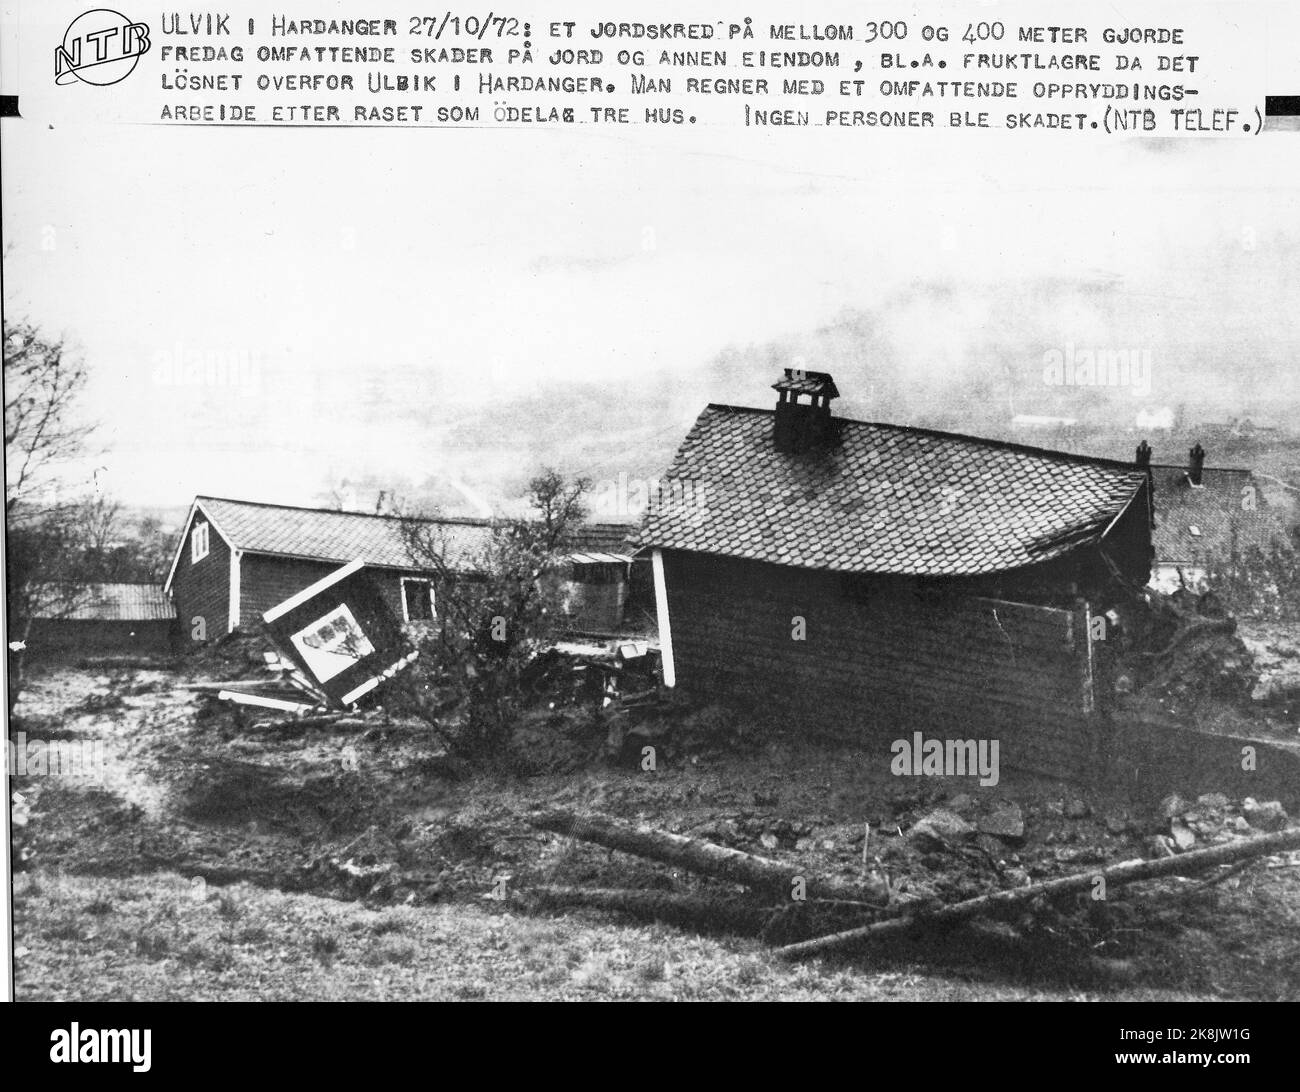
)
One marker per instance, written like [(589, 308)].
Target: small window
[(417, 600), (1196, 531), (198, 542)]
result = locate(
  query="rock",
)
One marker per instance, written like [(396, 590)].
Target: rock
[(1116, 825), (990, 845), (1005, 821), (1267, 816), (1172, 805), (1160, 846), (1183, 837), (1281, 690), (939, 828), (1240, 825), (963, 804), (1076, 809), (805, 844), (1081, 855), (768, 840), (1212, 800)]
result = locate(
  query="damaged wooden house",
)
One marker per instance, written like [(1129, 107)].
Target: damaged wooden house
[(876, 579), (238, 559)]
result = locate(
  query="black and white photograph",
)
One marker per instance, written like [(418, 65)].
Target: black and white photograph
[(665, 502)]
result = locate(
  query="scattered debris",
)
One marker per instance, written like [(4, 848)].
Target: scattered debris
[(1013, 898), (940, 828), (1006, 822), (337, 640), (1268, 816)]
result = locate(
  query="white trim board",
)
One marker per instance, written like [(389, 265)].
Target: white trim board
[(665, 626), (232, 607), (311, 590)]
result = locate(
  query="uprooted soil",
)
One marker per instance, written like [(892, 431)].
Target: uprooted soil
[(218, 851)]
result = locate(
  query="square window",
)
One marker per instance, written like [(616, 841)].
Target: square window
[(417, 600)]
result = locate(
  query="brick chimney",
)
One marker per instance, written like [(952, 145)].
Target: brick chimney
[(1144, 455), (1196, 464), (803, 412)]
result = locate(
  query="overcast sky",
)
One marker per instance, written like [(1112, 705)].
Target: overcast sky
[(359, 292)]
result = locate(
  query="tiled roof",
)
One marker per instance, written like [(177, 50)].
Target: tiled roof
[(612, 538), (319, 534), (889, 499), (1227, 505), (110, 603)]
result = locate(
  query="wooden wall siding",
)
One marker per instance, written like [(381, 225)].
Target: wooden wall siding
[(595, 608), (64, 638), (880, 661), (202, 589), (267, 581)]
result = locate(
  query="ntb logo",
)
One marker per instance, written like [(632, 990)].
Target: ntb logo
[(100, 47)]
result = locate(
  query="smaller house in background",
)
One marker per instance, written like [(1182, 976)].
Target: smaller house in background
[(606, 591), (237, 559), (1203, 515), (127, 619)]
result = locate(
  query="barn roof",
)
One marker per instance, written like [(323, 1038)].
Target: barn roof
[(609, 538), (1194, 523), (107, 603), (319, 534), (888, 499)]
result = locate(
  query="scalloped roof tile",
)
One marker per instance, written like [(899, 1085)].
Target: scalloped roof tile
[(889, 499)]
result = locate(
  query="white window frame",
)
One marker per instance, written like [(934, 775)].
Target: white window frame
[(199, 542), (433, 602)]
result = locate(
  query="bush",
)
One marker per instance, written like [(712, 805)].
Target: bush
[(1260, 583)]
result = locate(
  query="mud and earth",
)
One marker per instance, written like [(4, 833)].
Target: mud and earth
[(216, 856)]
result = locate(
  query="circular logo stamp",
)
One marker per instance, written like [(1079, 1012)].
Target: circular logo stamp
[(100, 47)]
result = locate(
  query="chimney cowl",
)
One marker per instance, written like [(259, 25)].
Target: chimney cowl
[(803, 412), (1144, 455), (1195, 464)]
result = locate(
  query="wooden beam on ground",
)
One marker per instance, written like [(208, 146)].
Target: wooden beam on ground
[(1116, 875), (696, 855)]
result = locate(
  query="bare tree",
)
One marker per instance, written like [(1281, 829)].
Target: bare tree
[(44, 550), (493, 619), (42, 381)]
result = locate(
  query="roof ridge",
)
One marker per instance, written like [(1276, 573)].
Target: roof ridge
[(469, 521), (985, 441), (1205, 469)]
